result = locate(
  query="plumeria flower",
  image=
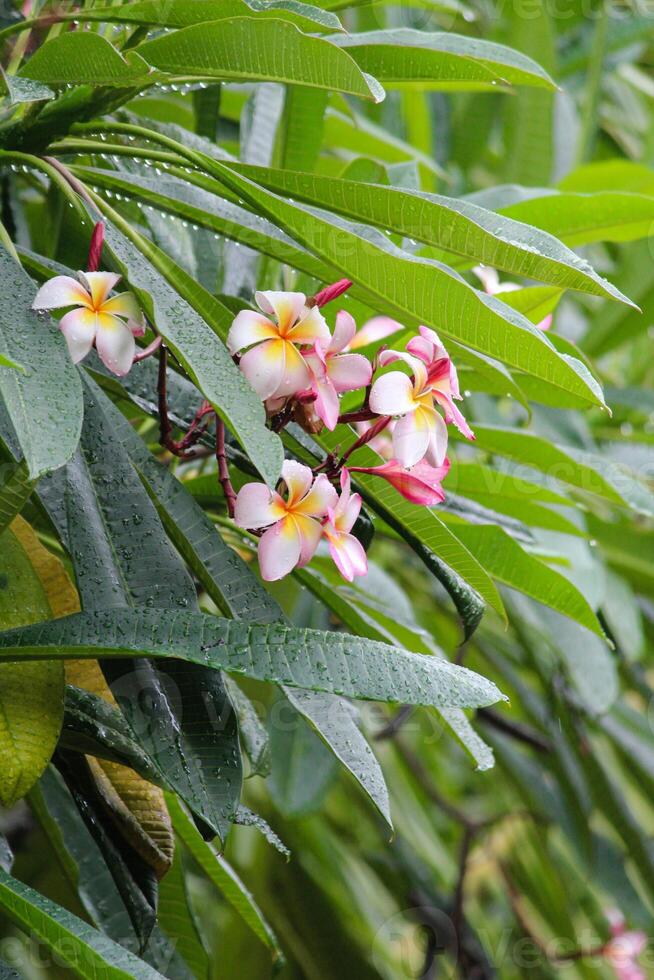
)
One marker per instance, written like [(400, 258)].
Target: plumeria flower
[(293, 523), (346, 550), (624, 948), (111, 323), (334, 372), (421, 484), (421, 431), (490, 280), (272, 363)]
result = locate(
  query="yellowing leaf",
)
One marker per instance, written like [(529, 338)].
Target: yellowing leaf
[(33, 587)]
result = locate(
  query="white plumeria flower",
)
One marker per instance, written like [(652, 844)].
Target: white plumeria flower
[(294, 528), (272, 363), (110, 323)]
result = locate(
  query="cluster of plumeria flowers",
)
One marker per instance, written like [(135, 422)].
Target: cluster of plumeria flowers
[(300, 370)]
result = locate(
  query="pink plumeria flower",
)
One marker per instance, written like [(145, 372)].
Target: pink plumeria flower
[(111, 323), (624, 948), (421, 484), (294, 528), (442, 376), (272, 363), (490, 280), (334, 372), (346, 550), (377, 328), (421, 431)]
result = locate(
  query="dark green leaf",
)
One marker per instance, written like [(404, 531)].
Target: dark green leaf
[(329, 662), (45, 402)]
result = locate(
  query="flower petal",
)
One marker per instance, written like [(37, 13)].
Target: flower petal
[(249, 328), (115, 344), (326, 404), (99, 284), (310, 327), (298, 479), (319, 499), (412, 436), (344, 330), (286, 307), (279, 550), (377, 328), (79, 327), (296, 375), (310, 536), (257, 506), (347, 552), (392, 394), (417, 366), (348, 508), (347, 372), (264, 365), (126, 305), (488, 278), (59, 292), (437, 449), (453, 415)]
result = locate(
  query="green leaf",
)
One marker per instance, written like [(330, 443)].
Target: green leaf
[(113, 525), (455, 225), (15, 489), (581, 219), (510, 564), (31, 700), (253, 735), (25, 90), (176, 918), (80, 859), (330, 662), (441, 61), (336, 723), (223, 876), (94, 727), (303, 768), (76, 944), (78, 57), (8, 363), (529, 115), (367, 620), (249, 49), (196, 346), (45, 402), (425, 290), (610, 175), (181, 13), (186, 200), (587, 471)]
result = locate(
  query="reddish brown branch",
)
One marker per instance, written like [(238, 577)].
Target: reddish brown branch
[(223, 468)]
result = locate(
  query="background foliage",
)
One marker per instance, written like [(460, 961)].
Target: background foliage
[(231, 145)]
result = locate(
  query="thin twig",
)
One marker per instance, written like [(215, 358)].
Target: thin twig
[(515, 729), (223, 468)]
